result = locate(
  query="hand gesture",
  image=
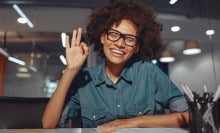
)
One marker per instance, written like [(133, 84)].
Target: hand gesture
[(77, 51)]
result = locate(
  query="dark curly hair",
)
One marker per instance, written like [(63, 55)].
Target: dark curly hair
[(143, 16)]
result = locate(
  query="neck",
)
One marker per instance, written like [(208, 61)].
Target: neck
[(113, 71)]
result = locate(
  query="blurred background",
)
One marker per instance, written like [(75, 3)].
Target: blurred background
[(37, 44)]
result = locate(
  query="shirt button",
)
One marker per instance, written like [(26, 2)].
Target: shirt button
[(94, 116), (118, 106), (140, 113)]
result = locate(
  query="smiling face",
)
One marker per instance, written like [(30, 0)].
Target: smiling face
[(117, 52)]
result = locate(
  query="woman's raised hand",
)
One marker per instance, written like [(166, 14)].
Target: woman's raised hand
[(77, 51)]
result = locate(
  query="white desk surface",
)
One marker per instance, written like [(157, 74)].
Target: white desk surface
[(96, 130)]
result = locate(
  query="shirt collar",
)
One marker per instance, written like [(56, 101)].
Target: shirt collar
[(127, 73), (102, 77)]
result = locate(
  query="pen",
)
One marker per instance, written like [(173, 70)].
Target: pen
[(217, 93), (186, 91)]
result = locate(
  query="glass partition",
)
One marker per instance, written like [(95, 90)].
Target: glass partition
[(40, 48)]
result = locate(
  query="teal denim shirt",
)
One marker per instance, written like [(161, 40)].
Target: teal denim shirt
[(140, 87)]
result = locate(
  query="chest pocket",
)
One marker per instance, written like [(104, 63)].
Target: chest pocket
[(93, 117), (138, 109)]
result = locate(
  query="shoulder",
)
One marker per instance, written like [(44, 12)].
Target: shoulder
[(146, 68)]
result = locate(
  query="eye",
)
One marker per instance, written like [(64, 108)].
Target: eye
[(113, 35), (130, 39)]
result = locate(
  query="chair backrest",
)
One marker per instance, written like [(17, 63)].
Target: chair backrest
[(19, 112)]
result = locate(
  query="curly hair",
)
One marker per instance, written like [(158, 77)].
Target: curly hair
[(143, 16)]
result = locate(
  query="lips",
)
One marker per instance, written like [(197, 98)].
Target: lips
[(117, 51)]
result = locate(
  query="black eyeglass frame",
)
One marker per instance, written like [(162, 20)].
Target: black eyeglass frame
[(121, 35)]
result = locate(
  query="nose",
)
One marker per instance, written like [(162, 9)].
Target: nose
[(120, 43)]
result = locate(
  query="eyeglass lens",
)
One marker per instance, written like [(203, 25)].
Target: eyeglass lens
[(114, 35)]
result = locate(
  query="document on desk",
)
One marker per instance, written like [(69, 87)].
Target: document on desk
[(97, 130), (141, 130)]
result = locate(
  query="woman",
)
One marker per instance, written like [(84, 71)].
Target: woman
[(124, 90)]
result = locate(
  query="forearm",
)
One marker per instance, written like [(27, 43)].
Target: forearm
[(166, 120), (55, 105)]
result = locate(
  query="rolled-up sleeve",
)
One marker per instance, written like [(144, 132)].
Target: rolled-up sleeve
[(179, 105)]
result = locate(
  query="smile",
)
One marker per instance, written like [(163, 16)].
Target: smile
[(117, 51)]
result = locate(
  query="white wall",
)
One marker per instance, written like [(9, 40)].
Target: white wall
[(197, 70)]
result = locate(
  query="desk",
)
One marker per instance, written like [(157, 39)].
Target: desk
[(96, 130)]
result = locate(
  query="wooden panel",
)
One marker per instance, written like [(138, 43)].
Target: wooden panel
[(3, 62)]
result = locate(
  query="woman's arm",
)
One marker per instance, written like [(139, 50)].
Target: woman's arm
[(54, 108), (178, 119), (76, 54)]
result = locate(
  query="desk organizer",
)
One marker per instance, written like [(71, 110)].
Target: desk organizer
[(203, 110)]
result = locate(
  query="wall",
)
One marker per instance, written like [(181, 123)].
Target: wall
[(197, 70)]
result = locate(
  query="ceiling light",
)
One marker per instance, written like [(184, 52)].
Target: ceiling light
[(38, 55), (22, 69), (12, 59), (21, 13), (172, 2), (63, 38), (32, 68), (63, 59), (15, 60), (154, 61), (167, 57), (23, 75), (22, 20), (191, 48), (175, 28), (4, 52), (210, 32)]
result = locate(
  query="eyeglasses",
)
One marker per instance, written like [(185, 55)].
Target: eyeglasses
[(114, 35)]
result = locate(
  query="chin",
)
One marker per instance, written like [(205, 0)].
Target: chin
[(117, 61)]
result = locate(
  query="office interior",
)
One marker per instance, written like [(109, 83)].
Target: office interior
[(40, 47)]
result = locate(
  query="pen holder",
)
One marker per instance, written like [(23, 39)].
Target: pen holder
[(203, 117)]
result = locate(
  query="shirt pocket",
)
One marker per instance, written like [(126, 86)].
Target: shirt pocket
[(93, 117), (138, 109)]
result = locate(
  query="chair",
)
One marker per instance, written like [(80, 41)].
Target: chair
[(20, 112)]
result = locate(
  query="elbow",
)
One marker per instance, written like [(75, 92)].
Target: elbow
[(184, 119)]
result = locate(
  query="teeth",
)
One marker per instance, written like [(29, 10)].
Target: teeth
[(116, 51)]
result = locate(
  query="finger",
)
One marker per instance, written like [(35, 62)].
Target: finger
[(67, 42), (73, 42), (106, 125), (79, 35), (85, 48)]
